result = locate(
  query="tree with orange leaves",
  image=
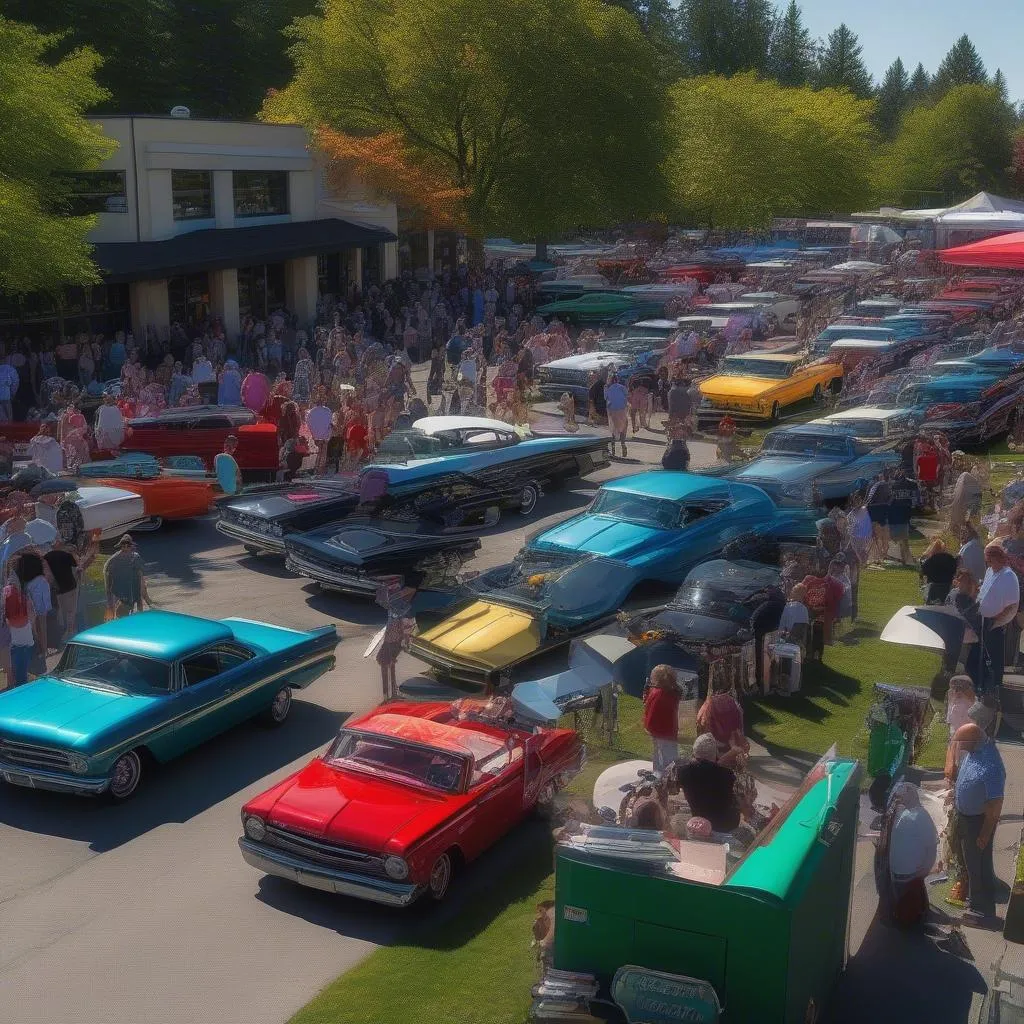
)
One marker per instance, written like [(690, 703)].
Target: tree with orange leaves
[(385, 164), (526, 117)]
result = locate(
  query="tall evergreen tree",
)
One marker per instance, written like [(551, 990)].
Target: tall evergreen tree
[(793, 53), (920, 86), (659, 22), (892, 98), (961, 66), (840, 65), (1000, 86), (722, 37)]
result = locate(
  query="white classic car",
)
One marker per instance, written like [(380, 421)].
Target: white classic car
[(572, 373), (870, 424), (111, 510)]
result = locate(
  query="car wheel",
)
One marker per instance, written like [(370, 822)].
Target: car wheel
[(279, 708), (817, 395), (836, 385), (125, 776), (529, 498), (440, 877), (250, 550), (776, 409)]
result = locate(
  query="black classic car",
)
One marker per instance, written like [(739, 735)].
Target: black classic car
[(475, 468), (352, 557)]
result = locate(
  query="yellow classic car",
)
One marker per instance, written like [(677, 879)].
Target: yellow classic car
[(761, 384)]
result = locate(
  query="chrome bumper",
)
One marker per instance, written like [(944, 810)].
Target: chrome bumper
[(346, 582), (251, 537), (55, 782), (284, 865), (553, 392)]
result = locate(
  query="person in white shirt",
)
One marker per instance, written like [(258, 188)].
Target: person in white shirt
[(795, 613), (43, 450), (205, 379), (998, 601), (467, 368), (109, 425)]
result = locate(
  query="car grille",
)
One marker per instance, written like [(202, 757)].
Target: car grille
[(556, 375), (255, 524), (334, 855), (31, 755)]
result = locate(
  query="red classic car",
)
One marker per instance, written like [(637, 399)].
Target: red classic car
[(405, 796)]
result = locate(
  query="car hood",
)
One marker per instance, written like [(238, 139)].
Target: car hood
[(491, 634), (346, 806), (600, 535), (739, 387), (351, 545), (65, 714), (286, 501), (785, 469), (588, 361)]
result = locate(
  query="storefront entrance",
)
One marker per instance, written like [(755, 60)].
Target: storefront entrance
[(261, 290), (188, 299)]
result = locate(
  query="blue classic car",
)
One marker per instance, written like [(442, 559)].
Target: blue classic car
[(638, 350), (812, 464), (653, 526), (145, 689)]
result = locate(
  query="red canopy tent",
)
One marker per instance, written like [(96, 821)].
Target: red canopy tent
[(1005, 251)]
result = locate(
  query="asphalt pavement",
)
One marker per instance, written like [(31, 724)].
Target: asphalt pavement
[(145, 913)]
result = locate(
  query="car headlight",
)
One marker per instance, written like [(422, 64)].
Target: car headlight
[(78, 764), (254, 827), (396, 868)]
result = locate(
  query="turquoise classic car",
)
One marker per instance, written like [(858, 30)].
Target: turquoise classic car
[(144, 689)]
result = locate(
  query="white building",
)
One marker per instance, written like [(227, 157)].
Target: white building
[(231, 218)]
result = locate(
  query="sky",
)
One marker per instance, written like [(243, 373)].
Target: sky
[(924, 30)]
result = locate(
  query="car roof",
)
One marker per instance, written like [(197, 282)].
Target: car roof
[(429, 733), (878, 343), (867, 412), (770, 357), (439, 424), (156, 634), (655, 323), (672, 486)]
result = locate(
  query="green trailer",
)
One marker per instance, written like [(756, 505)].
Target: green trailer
[(771, 939)]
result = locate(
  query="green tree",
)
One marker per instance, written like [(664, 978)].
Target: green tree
[(725, 36), (132, 36), (961, 66), (745, 149), (962, 144), (793, 54), (544, 111), (659, 22), (840, 65), (42, 136), (920, 86), (893, 95)]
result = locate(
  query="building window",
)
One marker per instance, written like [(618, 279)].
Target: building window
[(192, 194), (188, 299), (261, 290), (95, 192), (260, 193)]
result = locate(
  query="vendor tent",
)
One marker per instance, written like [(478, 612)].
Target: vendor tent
[(1005, 251)]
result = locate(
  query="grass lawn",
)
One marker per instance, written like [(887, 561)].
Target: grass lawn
[(476, 966)]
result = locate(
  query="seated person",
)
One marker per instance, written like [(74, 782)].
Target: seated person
[(795, 619), (709, 786), (722, 717)]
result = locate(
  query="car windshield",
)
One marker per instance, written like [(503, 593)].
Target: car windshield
[(637, 508), (101, 667), (424, 766), (860, 428), (924, 394), (704, 599), (741, 366), (795, 443)]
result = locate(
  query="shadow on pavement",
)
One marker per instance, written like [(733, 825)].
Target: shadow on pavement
[(522, 860), (898, 977), (178, 790)]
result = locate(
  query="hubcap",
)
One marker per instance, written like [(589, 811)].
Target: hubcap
[(439, 875), (529, 499), (282, 702), (126, 775)]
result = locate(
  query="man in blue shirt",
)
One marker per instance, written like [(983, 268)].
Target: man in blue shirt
[(617, 401), (980, 785)]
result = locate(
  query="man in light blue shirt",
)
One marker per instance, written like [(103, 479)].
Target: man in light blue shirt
[(617, 401), (980, 786)]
